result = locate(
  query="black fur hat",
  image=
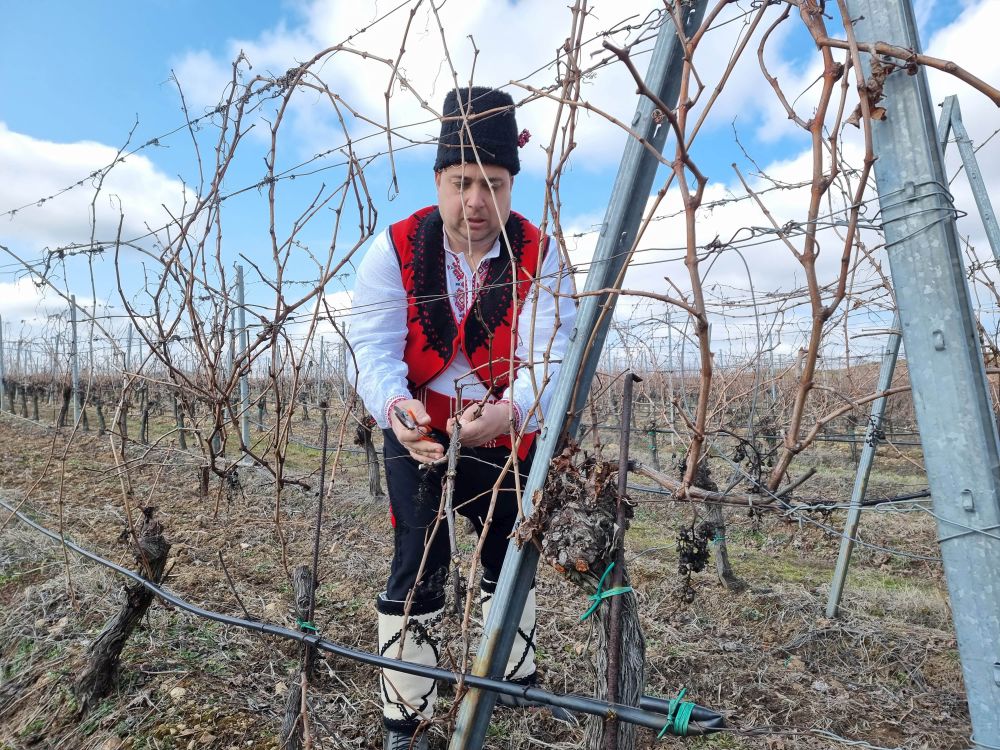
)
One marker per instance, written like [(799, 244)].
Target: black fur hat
[(494, 136)]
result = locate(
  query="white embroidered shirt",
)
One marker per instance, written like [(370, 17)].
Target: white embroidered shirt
[(377, 331)]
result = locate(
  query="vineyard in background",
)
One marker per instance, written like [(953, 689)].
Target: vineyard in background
[(208, 420)]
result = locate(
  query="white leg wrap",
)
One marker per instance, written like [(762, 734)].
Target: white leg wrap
[(406, 698), (521, 663)]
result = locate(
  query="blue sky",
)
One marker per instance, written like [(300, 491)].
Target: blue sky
[(84, 71), (77, 76)]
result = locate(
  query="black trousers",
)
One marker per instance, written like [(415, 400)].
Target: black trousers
[(415, 498)]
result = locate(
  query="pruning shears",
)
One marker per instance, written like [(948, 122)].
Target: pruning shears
[(408, 421)]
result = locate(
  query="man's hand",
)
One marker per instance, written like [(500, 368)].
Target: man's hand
[(480, 424), (422, 448)]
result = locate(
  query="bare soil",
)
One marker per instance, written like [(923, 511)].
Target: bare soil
[(885, 673)]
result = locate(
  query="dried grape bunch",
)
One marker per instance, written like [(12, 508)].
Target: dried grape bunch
[(692, 548), (234, 487), (363, 430), (692, 551)]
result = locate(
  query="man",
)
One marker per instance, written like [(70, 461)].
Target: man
[(442, 297)]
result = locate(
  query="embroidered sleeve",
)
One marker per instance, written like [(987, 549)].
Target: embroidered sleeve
[(388, 407), (515, 411), (377, 330)]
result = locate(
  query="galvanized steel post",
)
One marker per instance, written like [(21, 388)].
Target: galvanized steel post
[(947, 374), (3, 376), (864, 471), (628, 201), (74, 360), (951, 122), (244, 335), (128, 349)]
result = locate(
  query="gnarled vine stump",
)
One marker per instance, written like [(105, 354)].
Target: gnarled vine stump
[(104, 655), (715, 517), (363, 438), (293, 723), (574, 525)]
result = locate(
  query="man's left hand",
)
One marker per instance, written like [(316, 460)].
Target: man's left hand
[(481, 424)]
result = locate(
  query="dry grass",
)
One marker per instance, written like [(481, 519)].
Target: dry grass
[(887, 672)]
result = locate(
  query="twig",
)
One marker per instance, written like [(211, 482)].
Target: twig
[(232, 587)]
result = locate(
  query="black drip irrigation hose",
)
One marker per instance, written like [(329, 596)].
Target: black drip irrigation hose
[(653, 713), (828, 438), (867, 503), (874, 501)]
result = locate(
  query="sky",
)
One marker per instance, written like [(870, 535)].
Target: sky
[(82, 81)]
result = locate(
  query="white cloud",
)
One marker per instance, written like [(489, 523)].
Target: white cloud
[(922, 10), (36, 169), (36, 317), (24, 304), (763, 263), (533, 31), (335, 301), (773, 270), (202, 77)]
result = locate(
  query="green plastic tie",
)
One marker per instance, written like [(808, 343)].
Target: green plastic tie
[(601, 595), (305, 625), (678, 716), (718, 538)]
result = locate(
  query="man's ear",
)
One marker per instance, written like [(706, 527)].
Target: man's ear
[(437, 179)]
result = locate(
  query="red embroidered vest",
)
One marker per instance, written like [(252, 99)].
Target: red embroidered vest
[(434, 336)]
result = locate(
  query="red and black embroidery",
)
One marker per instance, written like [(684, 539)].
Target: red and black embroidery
[(433, 335), (427, 293), (492, 309)]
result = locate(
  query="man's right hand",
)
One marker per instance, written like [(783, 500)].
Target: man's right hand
[(423, 449)]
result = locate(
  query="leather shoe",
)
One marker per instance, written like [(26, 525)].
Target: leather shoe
[(399, 741)]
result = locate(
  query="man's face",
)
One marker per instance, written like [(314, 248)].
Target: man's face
[(474, 203)]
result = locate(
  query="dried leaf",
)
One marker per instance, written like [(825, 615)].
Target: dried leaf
[(855, 118)]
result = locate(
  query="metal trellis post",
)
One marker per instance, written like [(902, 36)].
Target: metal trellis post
[(624, 214), (342, 350), (947, 374), (320, 374), (231, 359), (670, 373), (3, 376), (128, 349), (864, 470), (244, 363), (774, 382), (74, 360), (55, 365), (951, 122)]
